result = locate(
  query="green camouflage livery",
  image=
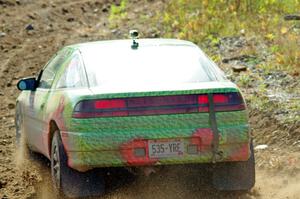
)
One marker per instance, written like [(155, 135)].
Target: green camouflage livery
[(110, 141)]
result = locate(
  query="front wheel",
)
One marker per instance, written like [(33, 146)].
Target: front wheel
[(68, 181), (18, 125), (23, 151)]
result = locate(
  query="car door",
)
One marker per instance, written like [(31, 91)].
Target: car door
[(38, 99)]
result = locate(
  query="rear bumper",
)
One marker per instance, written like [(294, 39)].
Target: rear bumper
[(83, 161), (86, 150)]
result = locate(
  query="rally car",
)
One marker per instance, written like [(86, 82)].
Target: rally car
[(134, 103)]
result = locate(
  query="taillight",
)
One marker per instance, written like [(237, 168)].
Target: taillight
[(228, 101), (203, 103), (110, 104), (220, 98), (100, 108), (157, 105)]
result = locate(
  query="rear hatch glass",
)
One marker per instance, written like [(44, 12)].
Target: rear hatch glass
[(165, 64)]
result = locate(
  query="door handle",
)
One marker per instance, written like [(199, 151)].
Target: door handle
[(42, 106)]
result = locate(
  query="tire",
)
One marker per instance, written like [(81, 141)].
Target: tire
[(235, 176), (69, 182), (23, 150)]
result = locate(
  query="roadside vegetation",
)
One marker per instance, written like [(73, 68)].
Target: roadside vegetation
[(211, 20), (201, 21)]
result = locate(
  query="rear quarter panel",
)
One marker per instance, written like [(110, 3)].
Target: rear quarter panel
[(59, 110)]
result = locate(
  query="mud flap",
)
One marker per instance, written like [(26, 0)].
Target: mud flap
[(213, 124), (235, 176)]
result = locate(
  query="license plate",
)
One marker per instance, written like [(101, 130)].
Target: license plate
[(168, 148)]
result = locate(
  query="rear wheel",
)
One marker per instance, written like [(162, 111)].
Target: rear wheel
[(68, 181), (235, 176)]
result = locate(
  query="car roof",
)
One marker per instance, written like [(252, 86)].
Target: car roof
[(153, 55), (128, 42)]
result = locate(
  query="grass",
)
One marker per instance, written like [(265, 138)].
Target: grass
[(201, 21), (117, 13), (207, 21), (244, 80)]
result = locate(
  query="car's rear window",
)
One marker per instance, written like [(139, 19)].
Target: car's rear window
[(149, 64)]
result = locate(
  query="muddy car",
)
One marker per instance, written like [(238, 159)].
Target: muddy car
[(134, 104)]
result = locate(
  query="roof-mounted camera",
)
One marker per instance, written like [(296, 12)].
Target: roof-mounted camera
[(134, 34)]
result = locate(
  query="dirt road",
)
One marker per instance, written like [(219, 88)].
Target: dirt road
[(31, 31)]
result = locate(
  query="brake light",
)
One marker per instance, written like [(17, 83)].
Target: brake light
[(157, 105), (203, 99), (108, 104), (228, 101), (203, 103), (220, 98), (100, 108)]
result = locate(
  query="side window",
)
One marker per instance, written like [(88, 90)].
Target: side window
[(73, 76), (50, 70)]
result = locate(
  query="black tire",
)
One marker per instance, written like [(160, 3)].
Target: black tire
[(69, 182), (235, 176)]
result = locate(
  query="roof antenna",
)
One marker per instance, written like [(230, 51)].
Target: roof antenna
[(134, 34)]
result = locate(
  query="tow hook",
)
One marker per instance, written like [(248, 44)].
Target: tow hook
[(218, 157)]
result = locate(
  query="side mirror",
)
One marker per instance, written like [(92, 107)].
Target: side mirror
[(27, 84)]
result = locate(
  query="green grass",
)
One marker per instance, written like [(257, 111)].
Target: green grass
[(208, 20), (117, 13)]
